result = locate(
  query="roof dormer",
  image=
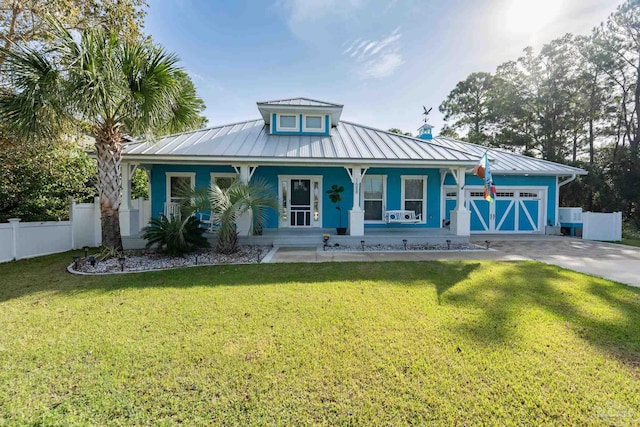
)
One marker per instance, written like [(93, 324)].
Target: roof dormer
[(300, 116)]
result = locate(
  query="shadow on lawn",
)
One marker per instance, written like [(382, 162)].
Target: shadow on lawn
[(48, 274), (497, 292), (504, 295)]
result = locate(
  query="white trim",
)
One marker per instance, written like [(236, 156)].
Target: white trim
[(214, 175), (265, 161), (169, 175), (384, 198), (403, 178), (280, 128), (321, 129), (315, 223)]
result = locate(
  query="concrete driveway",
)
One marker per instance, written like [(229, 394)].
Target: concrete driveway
[(610, 261)]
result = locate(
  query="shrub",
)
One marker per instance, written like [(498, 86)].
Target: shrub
[(175, 236)]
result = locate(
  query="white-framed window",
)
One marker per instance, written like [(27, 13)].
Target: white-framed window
[(223, 179), (177, 183), (288, 123), (414, 194), (311, 123), (374, 197)]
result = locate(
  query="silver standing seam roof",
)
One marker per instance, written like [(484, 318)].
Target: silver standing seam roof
[(305, 102), (507, 163), (250, 141)]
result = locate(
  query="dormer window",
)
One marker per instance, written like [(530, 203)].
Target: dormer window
[(288, 123), (313, 124)]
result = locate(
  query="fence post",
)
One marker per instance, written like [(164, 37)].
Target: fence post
[(15, 224), (97, 223), (73, 235)]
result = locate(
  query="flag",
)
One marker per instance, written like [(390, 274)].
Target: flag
[(483, 171)]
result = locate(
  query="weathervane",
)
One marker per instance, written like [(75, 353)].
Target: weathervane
[(426, 113)]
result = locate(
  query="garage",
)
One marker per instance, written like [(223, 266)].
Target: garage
[(515, 209)]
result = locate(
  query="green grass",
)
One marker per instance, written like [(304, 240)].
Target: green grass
[(416, 343), (631, 242)]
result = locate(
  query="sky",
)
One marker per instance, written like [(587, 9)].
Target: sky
[(382, 59)]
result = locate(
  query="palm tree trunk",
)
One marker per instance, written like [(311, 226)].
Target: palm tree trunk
[(109, 156)]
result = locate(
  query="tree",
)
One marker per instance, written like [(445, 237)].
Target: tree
[(227, 205), (469, 104), (26, 20), (116, 85), (37, 181)]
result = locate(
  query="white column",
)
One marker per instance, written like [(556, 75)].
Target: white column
[(461, 217), (15, 227), (245, 222), (125, 203), (356, 214)]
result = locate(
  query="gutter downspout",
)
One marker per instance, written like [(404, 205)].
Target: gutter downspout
[(558, 185)]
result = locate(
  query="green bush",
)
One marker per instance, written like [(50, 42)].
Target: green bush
[(175, 236)]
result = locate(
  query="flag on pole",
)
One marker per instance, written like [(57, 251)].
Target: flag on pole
[(483, 171)]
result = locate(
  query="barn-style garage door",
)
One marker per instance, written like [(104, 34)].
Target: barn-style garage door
[(515, 210)]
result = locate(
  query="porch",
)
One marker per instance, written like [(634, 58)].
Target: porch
[(312, 237)]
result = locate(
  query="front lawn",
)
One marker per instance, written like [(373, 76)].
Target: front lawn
[(415, 343)]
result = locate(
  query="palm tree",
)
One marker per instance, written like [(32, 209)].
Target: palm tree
[(114, 86), (229, 204)]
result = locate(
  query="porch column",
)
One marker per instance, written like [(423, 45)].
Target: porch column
[(460, 216), (245, 221), (356, 214), (125, 203)]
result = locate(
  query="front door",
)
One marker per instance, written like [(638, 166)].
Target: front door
[(300, 207)]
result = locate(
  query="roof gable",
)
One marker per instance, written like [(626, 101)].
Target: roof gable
[(305, 102)]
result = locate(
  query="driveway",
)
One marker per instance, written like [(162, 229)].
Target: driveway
[(615, 262), (611, 261)]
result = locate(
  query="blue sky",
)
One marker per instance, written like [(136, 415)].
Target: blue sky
[(382, 59)]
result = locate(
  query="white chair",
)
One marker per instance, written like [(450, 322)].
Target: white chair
[(207, 220), (400, 216)]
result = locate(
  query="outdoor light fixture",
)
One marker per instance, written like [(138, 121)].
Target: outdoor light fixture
[(259, 254), (196, 259), (92, 260), (486, 242), (121, 260), (404, 242), (86, 250), (362, 244), (448, 244), (75, 262)]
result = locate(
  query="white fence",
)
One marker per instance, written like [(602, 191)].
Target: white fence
[(602, 226), (20, 240)]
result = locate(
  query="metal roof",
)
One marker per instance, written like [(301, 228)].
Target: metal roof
[(306, 102), (506, 162), (251, 141)]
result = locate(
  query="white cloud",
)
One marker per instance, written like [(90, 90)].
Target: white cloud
[(377, 58)]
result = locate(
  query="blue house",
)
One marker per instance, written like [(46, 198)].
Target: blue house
[(393, 182)]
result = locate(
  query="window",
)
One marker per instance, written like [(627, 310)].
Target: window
[(178, 184), (223, 180), (313, 122), (414, 194), (374, 197), (288, 122)]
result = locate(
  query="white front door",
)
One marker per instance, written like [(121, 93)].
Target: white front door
[(300, 201)]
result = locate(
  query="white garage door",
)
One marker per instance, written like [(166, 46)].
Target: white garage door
[(515, 210)]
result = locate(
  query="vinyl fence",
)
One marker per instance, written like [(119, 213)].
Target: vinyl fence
[(20, 240), (602, 226)]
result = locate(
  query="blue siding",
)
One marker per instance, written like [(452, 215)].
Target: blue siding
[(513, 180), (330, 176), (159, 181), (394, 194)]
